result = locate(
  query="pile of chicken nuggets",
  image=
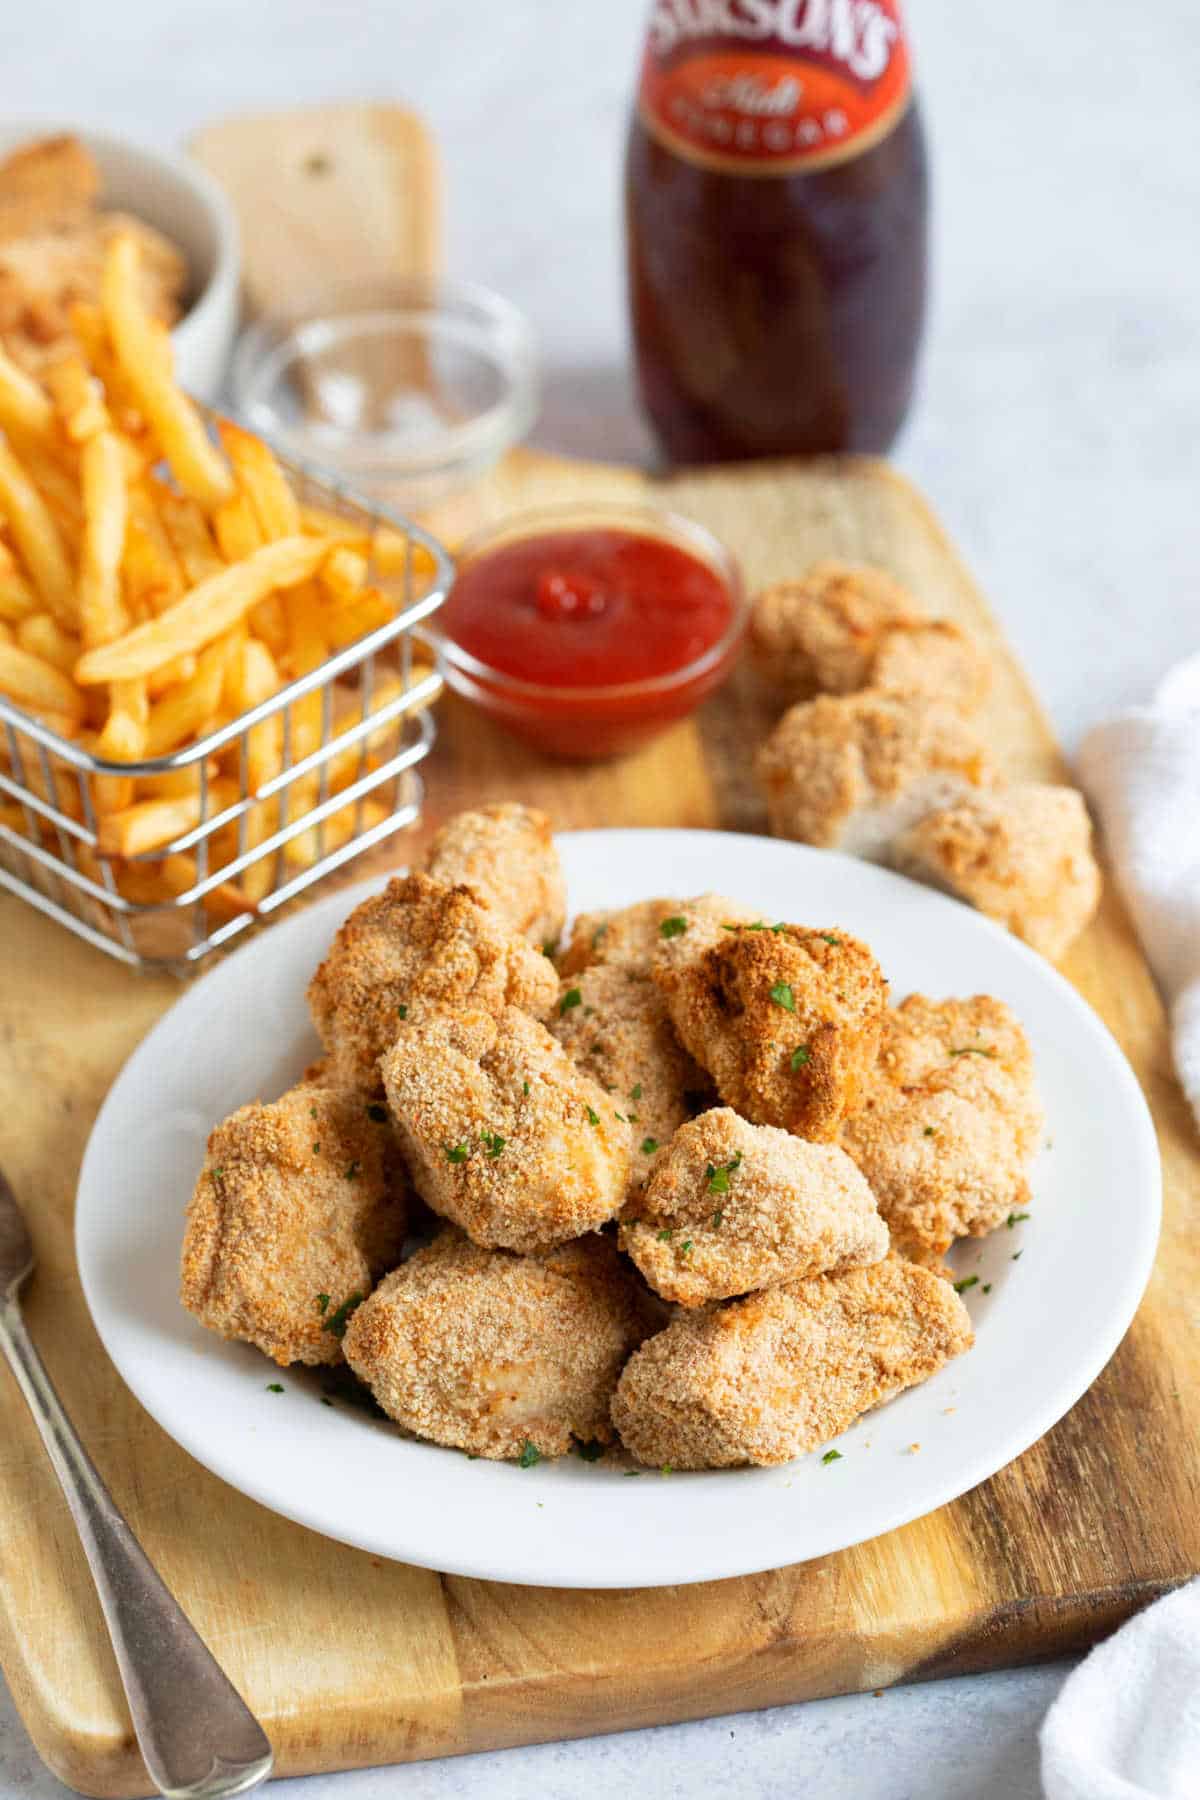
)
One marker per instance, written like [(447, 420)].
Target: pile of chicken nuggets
[(687, 1181)]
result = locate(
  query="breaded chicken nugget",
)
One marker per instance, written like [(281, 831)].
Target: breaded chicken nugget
[(732, 1207), (612, 1022), (852, 773), (949, 1124), (785, 1020), (1021, 854), (765, 1379), (503, 1134), (632, 935), (842, 629), (506, 854), (416, 945), (491, 1352), (299, 1209)]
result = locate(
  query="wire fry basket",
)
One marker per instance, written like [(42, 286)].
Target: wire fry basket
[(350, 737)]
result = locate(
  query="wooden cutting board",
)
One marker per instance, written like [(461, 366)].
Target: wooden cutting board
[(351, 1661)]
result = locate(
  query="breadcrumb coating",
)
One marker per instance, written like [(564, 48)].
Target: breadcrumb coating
[(767, 1378), (300, 1207), (853, 772), (733, 1207), (632, 935), (1021, 854), (612, 1022), (841, 629), (416, 945), (503, 1134), (786, 1020), (949, 1124), (507, 855), (490, 1352)]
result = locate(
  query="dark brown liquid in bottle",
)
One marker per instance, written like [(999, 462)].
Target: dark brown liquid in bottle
[(777, 315)]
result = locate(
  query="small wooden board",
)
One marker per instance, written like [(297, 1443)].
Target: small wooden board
[(350, 1661)]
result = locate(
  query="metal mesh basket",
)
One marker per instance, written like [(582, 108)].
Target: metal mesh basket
[(345, 782)]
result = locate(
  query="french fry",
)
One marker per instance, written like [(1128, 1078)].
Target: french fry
[(6, 633), (31, 681), (150, 571), (175, 422), (236, 528), (188, 708), (43, 636), (105, 509), (37, 538), (173, 783), (150, 824), (206, 613), (187, 532), (17, 598), (171, 674), (276, 509), (349, 623), (301, 851), (344, 575), (123, 739), (78, 400), (87, 323), (252, 677), (24, 408)]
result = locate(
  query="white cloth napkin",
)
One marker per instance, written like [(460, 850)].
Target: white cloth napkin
[(1126, 1726), (1142, 772)]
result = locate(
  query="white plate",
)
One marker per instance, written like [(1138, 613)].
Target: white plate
[(1063, 1287)]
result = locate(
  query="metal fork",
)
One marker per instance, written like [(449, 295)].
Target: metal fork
[(199, 1739)]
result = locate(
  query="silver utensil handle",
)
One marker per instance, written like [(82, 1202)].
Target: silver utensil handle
[(199, 1738)]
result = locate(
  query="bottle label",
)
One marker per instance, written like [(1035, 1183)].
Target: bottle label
[(766, 87)]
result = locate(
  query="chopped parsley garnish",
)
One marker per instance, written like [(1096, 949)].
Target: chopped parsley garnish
[(593, 1116), (783, 996), (524, 1087), (974, 1050), (666, 1469), (353, 1171), (322, 1303), (218, 1181), (550, 949), (274, 1387), (631, 1474), (636, 1092), (529, 1455), (339, 1320), (317, 1148), (671, 928), (929, 1131), (718, 1179), (1017, 1255), (666, 1234), (831, 1456), (312, 1112), (717, 1217), (968, 1281), (377, 1112), (457, 1153), (621, 1116), (600, 932), (402, 1012), (830, 939), (685, 1249), (589, 1012), (325, 1400), (800, 1056), (492, 1142), (590, 1450), (649, 1146), (1015, 1218), (571, 998), (986, 1288)]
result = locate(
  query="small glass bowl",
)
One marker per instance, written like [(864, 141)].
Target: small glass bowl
[(589, 723), (409, 390)]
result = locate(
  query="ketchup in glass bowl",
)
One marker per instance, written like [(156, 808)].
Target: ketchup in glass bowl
[(586, 630)]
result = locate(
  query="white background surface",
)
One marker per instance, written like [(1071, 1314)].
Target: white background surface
[(1056, 434)]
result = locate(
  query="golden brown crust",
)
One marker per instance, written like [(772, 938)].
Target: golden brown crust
[(302, 1198), (733, 1207), (507, 855), (765, 1379), (612, 1022), (1021, 854), (503, 1134), (821, 634), (491, 1352), (851, 772), (633, 935), (786, 1020), (417, 945), (950, 1122)]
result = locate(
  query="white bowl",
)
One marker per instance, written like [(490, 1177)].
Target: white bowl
[(181, 200)]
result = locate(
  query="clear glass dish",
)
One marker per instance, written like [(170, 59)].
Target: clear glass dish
[(409, 390), (587, 723)]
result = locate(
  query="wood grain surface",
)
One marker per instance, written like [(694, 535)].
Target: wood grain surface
[(352, 1661)]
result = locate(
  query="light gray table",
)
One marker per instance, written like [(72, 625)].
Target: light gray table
[(1056, 434)]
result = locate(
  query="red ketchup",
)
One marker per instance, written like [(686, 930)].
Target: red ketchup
[(588, 641)]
